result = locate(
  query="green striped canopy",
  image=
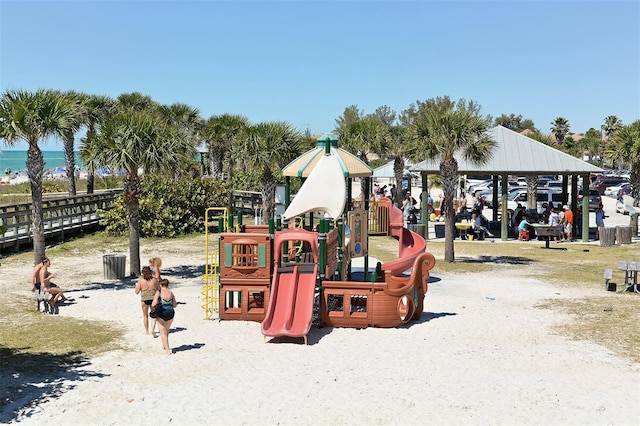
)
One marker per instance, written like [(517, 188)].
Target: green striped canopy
[(351, 165)]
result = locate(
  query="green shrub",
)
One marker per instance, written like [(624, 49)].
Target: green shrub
[(169, 208)]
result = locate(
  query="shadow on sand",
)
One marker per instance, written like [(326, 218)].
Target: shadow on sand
[(27, 382)]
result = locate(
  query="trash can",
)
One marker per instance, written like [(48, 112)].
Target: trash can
[(417, 228), (439, 229), (607, 236), (113, 265), (623, 234)]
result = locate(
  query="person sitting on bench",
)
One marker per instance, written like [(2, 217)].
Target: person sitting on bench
[(476, 225), (49, 287)]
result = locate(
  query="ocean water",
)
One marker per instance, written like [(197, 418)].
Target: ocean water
[(16, 160)]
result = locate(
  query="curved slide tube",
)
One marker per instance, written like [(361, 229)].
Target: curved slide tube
[(411, 243)]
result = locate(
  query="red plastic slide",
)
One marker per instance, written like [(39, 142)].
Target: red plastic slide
[(411, 243), (290, 310)]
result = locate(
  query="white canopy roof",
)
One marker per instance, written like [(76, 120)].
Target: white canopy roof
[(324, 190)]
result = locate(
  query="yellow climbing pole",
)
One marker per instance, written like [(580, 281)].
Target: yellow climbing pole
[(211, 288), (213, 216)]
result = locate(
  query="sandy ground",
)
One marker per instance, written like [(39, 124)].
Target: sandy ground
[(482, 353)]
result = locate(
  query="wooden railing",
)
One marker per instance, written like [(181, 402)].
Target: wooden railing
[(247, 201), (60, 215)]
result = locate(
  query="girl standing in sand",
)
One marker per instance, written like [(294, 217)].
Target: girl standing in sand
[(168, 301), (147, 287), (155, 263)]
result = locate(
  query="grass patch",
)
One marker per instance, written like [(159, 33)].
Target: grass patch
[(32, 351), (608, 320)]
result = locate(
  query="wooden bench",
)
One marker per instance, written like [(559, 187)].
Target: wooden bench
[(41, 297)]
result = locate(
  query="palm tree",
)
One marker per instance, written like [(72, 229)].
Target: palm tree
[(397, 145), (560, 128), (68, 138), (611, 125), (186, 120), (532, 180), (394, 144), (97, 108), (220, 133), (33, 117), (268, 147), (131, 140), (624, 147), (592, 145), (444, 130), (363, 137)]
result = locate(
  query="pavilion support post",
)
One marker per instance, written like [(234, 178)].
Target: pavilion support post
[(424, 204), (504, 211), (349, 205), (504, 222), (565, 186), (366, 208), (574, 201), (585, 208), (494, 196), (287, 191)]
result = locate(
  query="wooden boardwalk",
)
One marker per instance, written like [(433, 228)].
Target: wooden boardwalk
[(65, 215)]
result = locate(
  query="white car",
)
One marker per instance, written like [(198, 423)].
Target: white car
[(612, 191), (479, 186)]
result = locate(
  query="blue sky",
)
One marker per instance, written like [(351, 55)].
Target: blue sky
[(304, 62)]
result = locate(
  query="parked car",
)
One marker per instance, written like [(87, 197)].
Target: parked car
[(543, 197), (612, 191), (554, 184), (594, 199), (601, 183), (472, 180), (487, 194), (479, 186)]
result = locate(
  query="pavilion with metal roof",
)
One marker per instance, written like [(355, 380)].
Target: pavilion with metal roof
[(517, 154)]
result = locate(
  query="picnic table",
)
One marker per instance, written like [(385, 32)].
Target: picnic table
[(547, 231)]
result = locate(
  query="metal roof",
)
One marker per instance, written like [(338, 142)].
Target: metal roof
[(515, 153), (386, 171)]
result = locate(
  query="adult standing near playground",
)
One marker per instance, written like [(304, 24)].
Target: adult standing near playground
[(600, 215), (165, 297), (568, 222), (155, 263), (147, 287), (406, 207)]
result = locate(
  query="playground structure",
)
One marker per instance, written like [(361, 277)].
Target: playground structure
[(294, 272)]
